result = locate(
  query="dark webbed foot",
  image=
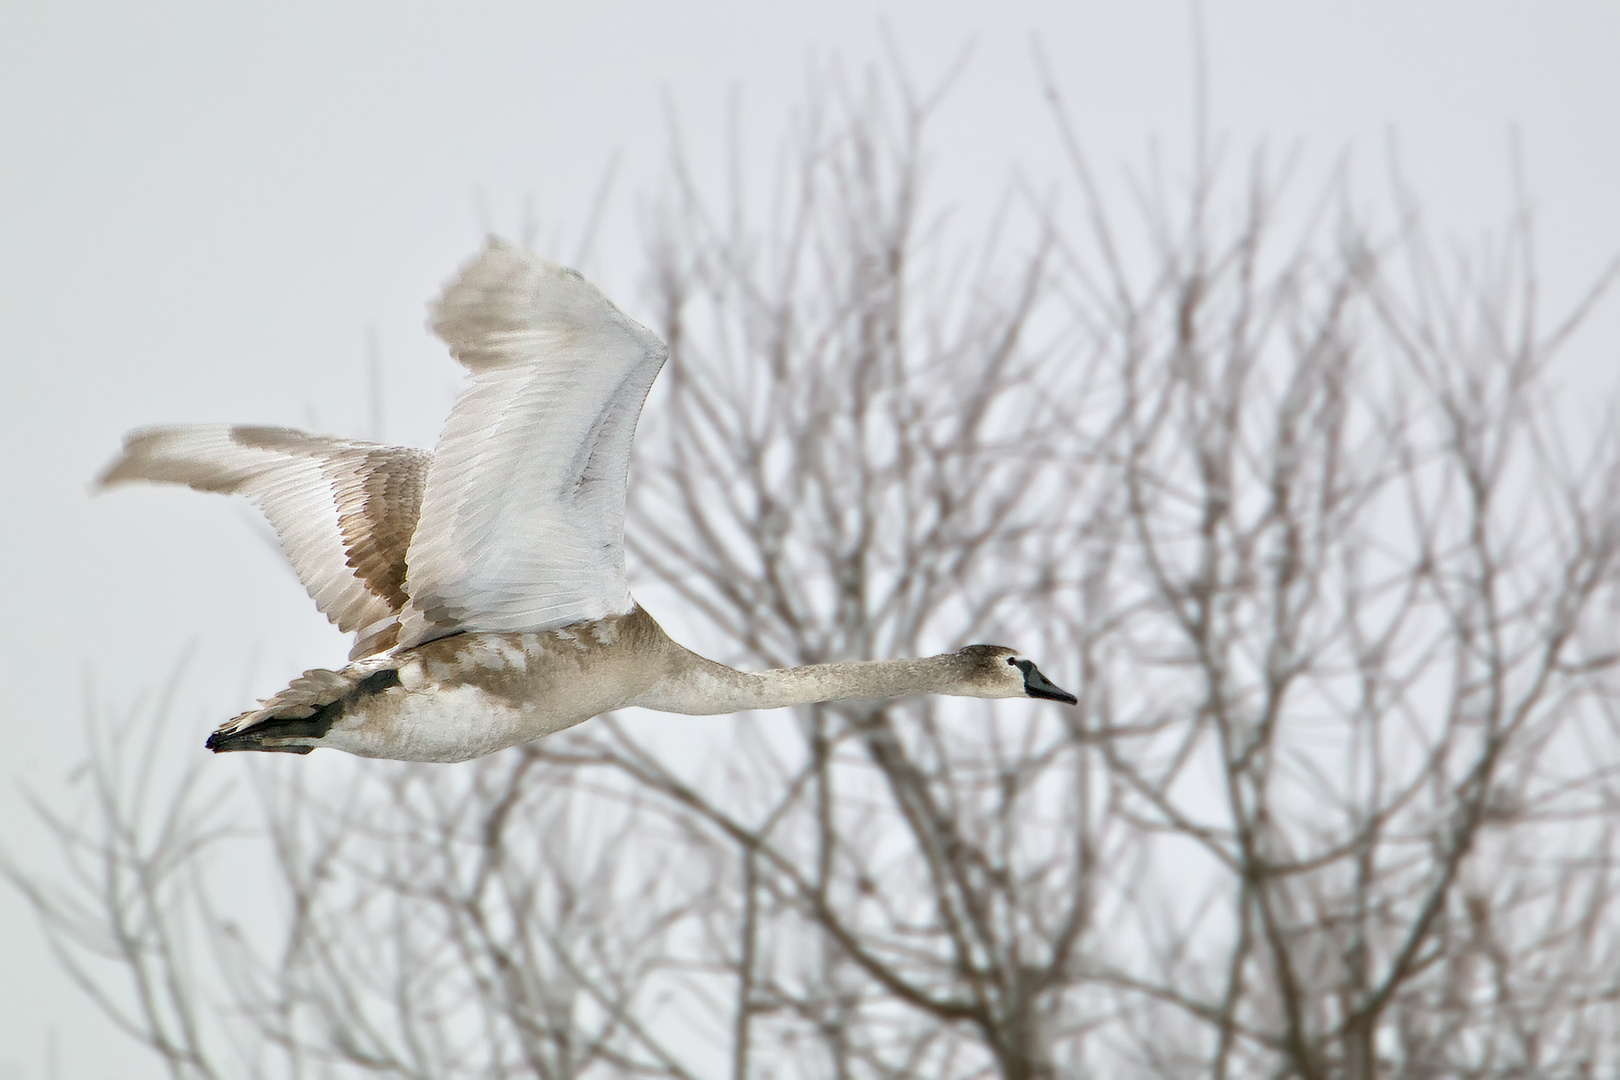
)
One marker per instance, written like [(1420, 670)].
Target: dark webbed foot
[(271, 733)]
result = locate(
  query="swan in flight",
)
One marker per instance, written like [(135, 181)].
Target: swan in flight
[(484, 580)]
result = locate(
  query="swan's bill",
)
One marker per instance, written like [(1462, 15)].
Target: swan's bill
[(1037, 685)]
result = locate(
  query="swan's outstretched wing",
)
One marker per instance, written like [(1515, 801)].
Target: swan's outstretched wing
[(522, 523), (344, 510)]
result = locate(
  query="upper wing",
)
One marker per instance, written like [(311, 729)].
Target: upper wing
[(522, 523), (344, 510)]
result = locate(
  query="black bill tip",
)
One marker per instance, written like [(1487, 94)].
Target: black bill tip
[(1037, 685)]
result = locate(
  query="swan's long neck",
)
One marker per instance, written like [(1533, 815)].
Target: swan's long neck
[(703, 687)]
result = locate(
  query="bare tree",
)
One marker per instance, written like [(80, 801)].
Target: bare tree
[(1350, 636), (1333, 569)]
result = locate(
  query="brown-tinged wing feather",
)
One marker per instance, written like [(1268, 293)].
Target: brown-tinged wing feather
[(344, 510)]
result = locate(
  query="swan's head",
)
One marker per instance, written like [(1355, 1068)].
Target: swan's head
[(999, 672)]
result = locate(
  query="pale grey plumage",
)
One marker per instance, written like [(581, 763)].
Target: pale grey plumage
[(485, 581)]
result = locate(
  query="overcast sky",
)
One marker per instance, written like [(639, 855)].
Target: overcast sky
[(209, 213)]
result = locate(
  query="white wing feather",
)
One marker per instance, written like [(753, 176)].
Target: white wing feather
[(522, 521), (343, 510)]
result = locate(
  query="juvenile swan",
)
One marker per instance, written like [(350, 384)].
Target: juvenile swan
[(484, 581)]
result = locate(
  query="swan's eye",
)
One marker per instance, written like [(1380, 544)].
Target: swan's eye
[(1012, 660)]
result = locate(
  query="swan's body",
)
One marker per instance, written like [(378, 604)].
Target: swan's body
[(484, 581)]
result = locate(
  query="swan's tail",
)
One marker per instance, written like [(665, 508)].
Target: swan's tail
[(295, 720)]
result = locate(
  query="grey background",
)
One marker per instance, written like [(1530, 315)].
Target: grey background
[(211, 213)]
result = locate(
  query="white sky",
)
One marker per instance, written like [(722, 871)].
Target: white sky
[(205, 210)]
